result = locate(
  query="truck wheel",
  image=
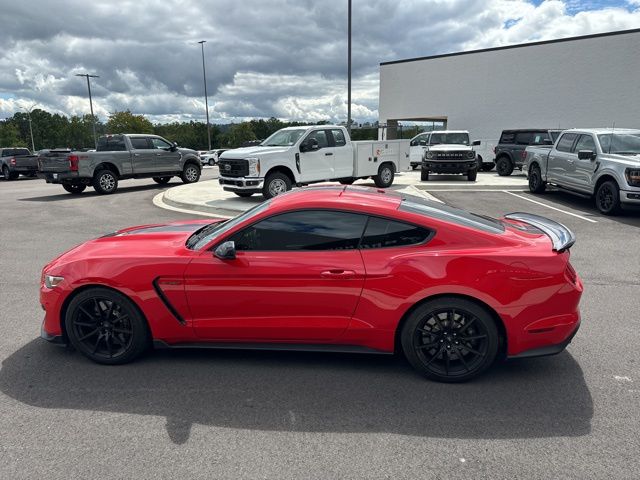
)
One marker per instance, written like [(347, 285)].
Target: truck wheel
[(275, 184), (243, 194), (74, 188), (472, 174), (190, 174), (105, 182), (424, 175), (347, 181), (487, 167), (161, 180), (8, 175), (608, 198), (211, 162), (385, 176), (536, 184), (504, 166)]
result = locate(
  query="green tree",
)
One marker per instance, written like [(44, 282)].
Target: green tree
[(238, 134), (127, 122), (10, 135)]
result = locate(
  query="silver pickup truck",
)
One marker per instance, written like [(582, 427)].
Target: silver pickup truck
[(602, 163), (118, 157)]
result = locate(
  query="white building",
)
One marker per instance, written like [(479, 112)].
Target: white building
[(588, 81)]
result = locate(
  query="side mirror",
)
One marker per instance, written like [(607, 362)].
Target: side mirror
[(310, 144), (586, 155), (423, 143), (475, 143), (225, 251), (547, 141), (174, 146)]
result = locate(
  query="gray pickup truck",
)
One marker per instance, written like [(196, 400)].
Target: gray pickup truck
[(17, 161), (119, 157), (602, 163)]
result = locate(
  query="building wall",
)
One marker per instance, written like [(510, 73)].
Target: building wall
[(589, 82)]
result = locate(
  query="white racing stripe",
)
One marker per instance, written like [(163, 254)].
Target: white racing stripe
[(549, 206)]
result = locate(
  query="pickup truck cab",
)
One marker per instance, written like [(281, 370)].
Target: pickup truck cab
[(602, 163), (510, 151), (119, 157), (297, 156), (17, 161), (449, 151)]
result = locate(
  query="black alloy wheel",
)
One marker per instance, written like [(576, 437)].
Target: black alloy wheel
[(608, 198), (536, 184), (450, 339), (74, 188), (106, 327), (161, 180), (504, 167)]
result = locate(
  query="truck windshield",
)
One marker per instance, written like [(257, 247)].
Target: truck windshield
[(283, 138), (449, 138), (620, 143)]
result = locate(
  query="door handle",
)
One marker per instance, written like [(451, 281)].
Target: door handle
[(136, 154), (328, 153), (337, 273), (158, 154)]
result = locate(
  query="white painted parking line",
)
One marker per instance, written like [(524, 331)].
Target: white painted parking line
[(551, 207)]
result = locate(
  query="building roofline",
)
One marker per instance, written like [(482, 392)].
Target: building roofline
[(520, 45)]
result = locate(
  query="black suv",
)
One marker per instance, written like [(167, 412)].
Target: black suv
[(510, 151)]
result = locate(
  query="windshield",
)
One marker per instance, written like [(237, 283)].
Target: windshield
[(203, 236), (620, 143), (460, 138), (283, 138)]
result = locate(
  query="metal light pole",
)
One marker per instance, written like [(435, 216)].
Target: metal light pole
[(93, 118), (349, 75), (206, 98), (28, 110)]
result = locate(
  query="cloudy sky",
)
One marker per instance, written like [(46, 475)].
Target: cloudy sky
[(281, 58)]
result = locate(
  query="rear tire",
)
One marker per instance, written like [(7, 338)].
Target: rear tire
[(608, 198), (211, 162), (386, 174), (105, 182), (424, 175), (74, 188), (190, 173), (161, 180), (536, 184), (450, 339), (275, 184), (8, 175), (504, 166)]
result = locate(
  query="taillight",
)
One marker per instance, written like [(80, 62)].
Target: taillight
[(571, 274), (523, 154), (12, 161), (73, 163)]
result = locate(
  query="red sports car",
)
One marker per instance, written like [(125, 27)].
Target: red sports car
[(344, 269)]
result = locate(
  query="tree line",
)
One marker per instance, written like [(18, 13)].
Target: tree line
[(59, 131)]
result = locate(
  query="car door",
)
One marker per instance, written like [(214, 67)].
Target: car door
[(584, 169), (142, 155), (562, 160), (297, 276), (317, 165), (166, 158), (416, 149), (342, 154)]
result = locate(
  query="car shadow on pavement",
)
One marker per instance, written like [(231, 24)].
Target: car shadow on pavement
[(308, 392), (89, 192)]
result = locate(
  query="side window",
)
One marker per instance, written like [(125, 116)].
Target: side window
[(507, 137), (524, 138), (381, 233), (338, 137), (303, 230), (140, 143), (160, 143), (539, 138), (566, 142), (320, 136), (585, 142)]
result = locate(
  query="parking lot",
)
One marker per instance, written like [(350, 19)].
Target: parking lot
[(225, 414)]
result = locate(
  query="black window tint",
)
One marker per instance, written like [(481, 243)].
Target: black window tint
[(304, 230), (585, 142), (139, 143), (338, 137), (507, 137), (382, 233), (566, 142), (524, 138), (111, 143), (321, 137), (539, 138)]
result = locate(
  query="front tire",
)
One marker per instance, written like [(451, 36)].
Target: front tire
[(190, 173), (504, 166), (536, 184), (450, 339), (608, 198), (386, 174), (161, 180), (275, 184), (105, 182), (211, 162), (74, 188), (106, 327), (472, 174), (424, 175)]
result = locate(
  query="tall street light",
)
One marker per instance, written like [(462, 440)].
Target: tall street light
[(29, 110), (349, 75), (206, 99), (93, 118)]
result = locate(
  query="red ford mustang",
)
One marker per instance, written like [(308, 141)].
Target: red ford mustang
[(332, 268)]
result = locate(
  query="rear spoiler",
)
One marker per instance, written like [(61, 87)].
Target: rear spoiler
[(561, 237)]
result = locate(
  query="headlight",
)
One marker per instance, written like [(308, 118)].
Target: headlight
[(254, 167), (51, 281), (429, 155), (471, 154), (633, 176)]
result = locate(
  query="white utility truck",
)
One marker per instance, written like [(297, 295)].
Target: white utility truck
[(297, 156)]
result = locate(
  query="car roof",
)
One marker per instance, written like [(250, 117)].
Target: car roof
[(542, 130), (603, 130), (337, 196), (307, 127), (449, 131)]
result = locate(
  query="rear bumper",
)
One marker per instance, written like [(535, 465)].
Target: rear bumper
[(60, 177), (23, 168), (548, 349), (449, 167), (241, 184)]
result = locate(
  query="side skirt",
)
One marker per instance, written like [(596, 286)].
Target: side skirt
[(295, 347)]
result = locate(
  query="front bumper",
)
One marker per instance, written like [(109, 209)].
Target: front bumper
[(58, 340), (630, 197), (449, 166), (241, 184)]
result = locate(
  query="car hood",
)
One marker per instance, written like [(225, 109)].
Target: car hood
[(187, 151), (252, 152), (449, 147), (630, 160)]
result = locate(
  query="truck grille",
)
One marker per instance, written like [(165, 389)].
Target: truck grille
[(233, 168), (450, 156)]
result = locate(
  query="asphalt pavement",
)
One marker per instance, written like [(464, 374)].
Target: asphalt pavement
[(226, 414)]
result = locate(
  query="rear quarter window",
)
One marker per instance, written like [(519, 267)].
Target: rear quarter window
[(507, 137)]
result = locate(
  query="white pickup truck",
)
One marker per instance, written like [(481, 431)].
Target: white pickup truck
[(297, 156)]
